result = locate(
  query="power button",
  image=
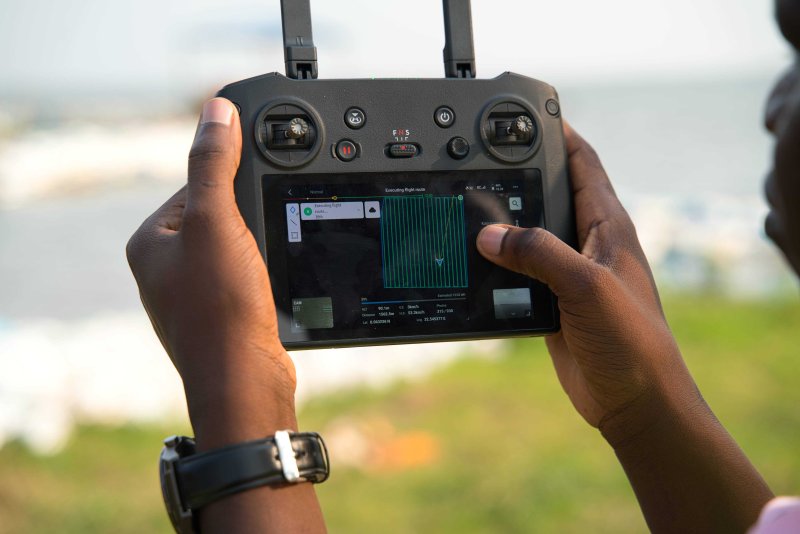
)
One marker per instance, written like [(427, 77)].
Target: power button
[(444, 117)]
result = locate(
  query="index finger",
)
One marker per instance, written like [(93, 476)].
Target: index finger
[(585, 167), (158, 229), (595, 198)]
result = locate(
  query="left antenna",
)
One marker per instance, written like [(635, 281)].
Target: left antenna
[(299, 51)]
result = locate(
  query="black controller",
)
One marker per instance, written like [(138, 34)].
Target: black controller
[(366, 196)]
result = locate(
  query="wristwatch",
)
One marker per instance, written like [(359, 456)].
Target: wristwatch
[(190, 480)]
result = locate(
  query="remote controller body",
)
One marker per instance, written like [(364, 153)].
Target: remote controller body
[(372, 128)]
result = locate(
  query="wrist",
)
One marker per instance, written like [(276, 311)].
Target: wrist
[(244, 395), (657, 413), (686, 470), (240, 417)]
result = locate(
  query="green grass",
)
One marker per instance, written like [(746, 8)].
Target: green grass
[(484, 445), (106, 480)]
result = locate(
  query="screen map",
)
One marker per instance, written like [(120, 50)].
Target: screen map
[(423, 242), (392, 255)]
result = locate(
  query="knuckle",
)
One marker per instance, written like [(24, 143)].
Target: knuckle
[(593, 277), (196, 219), (589, 280), (528, 243), (587, 152), (134, 249), (209, 150), (527, 249), (138, 252), (625, 224)]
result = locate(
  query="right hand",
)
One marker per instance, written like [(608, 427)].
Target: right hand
[(615, 355)]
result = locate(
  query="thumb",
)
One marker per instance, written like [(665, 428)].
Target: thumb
[(537, 253), (214, 160)]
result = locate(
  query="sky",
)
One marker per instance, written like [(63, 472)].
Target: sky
[(53, 50)]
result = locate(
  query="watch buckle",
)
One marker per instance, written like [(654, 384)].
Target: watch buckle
[(286, 455)]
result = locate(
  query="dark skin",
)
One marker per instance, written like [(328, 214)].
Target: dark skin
[(621, 368), (207, 293), (206, 290)]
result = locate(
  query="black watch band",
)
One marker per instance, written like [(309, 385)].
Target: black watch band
[(190, 480)]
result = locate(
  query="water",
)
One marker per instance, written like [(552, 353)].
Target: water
[(64, 258), (687, 140)]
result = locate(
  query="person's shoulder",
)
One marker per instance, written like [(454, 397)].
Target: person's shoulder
[(780, 516)]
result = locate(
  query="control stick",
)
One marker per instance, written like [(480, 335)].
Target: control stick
[(522, 126), (297, 128)]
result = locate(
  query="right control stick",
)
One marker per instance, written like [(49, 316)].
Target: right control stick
[(522, 126)]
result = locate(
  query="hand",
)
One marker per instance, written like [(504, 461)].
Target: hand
[(620, 366), (615, 355), (205, 287)]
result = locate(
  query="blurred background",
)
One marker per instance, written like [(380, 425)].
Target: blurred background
[(98, 105)]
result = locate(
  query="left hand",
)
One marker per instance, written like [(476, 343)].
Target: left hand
[(206, 289)]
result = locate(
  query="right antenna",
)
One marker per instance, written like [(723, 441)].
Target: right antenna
[(459, 52)]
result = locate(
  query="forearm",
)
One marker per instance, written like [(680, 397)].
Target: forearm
[(688, 473), (251, 408)]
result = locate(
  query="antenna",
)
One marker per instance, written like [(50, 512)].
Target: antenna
[(459, 53), (299, 51)]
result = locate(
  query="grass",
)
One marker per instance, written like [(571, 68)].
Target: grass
[(483, 445)]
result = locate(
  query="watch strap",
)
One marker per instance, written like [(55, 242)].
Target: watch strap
[(209, 476)]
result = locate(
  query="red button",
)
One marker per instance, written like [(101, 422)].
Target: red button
[(403, 150), (346, 150)]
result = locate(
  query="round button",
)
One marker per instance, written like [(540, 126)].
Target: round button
[(297, 128), (444, 117), (355, 118), (522, 126), (458, 148), (346, 150), (553, 108)]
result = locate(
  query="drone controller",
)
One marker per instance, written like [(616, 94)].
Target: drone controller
[(366, 196)]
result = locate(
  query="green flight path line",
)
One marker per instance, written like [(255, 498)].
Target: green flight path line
[(423, 242)]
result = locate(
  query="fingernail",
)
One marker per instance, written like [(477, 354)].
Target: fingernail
[(490, 240), (217, 110)]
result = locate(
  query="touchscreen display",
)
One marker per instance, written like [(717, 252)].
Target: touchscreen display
[(362, 257)]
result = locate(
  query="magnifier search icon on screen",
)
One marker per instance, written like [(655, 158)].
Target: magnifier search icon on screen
[(515, 203)]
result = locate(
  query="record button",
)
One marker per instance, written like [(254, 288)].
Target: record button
[(346, 150)]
